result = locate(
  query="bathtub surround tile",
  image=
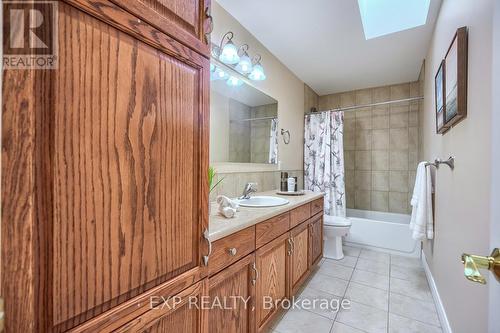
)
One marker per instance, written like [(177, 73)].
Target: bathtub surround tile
[(349, 124), (380, 122), (347, 99), (300, 321), (412, 308), (380, 160), (378, 267), (363, 96), (312, 294), (334, 269), (413, 138), (371, 279), (400, 91), (375, 256), (398, 160), (362, 199), (412, 175), (342, 328), (367, 295), (328, 284), (414, 89), (398, 202), (350, 140), (418, 289), (398, 324), (399, 119), (413, 118), (398, 138), (381, 94), (363, 317), (363, 180), (346, 261), (349, 159), (398, 181), (349, 199), (380, 201), (363, 139), (363, 160), (380, 139)]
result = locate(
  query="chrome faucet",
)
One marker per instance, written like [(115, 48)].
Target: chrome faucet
[(249, 188)]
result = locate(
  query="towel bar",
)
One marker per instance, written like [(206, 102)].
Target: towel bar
[(449, 162)]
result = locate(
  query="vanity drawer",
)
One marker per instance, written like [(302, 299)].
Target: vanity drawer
[(299, 215), (268, 230), (230, 249), (317, 206)]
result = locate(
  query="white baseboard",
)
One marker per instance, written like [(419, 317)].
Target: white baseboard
[(445, 324)]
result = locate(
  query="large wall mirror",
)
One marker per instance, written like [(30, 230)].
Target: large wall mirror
[(243, 121)]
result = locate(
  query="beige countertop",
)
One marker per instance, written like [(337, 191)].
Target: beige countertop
[(219, 226)]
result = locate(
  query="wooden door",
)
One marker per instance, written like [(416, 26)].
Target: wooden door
[(188, 21), (104, 171), (316, 239), (272, 281), (299, 258), (182, 313), (232, 291)]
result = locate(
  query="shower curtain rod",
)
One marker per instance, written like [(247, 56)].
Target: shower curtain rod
[(252, 119), (368, 105)]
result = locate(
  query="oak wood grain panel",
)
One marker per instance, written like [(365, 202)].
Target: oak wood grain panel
[(230, 285), (300, 214), (268, 230), (272, 282), (186, 316), (316, 239), (243, 242), (317, 206), (181, 19), (299, 259)]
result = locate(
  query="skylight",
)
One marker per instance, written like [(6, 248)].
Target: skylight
[(383, 17)]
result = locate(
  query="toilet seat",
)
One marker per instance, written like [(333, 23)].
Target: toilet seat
[(336, 221)]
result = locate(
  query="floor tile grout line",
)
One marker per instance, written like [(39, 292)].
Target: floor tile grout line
[(413, 298), (417, 320)]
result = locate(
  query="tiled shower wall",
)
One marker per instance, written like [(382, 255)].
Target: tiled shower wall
[(380, 146)]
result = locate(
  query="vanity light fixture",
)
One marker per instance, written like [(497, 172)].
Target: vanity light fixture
[(228, 51), (245, 64), (257, 73), (234, 82)]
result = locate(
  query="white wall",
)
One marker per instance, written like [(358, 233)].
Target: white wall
[(462, 210), (280, 84)]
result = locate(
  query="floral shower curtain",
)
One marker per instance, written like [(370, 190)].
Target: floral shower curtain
[(324, 159), (273, 142)]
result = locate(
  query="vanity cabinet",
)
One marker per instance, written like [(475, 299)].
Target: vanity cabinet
[(299, 256), (272, 266), (233, 293), (316, 239)]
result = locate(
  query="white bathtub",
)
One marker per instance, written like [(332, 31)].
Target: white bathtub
[(388, 232)]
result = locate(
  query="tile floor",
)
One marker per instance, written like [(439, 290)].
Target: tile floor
[(387, 293)]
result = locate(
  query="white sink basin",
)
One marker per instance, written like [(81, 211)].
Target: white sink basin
[(262, 201)]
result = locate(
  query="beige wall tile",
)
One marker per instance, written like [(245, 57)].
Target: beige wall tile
[(380, 201), (349, 159), (412, 160), (413, 118), (398, 202), (380, 180), (363, 180), (228, 186), (411, 180), (350, 140), (413, 138), (347, 99), (380, 139), (381, 110), (334, 101), (363, 118), (398, 160), (398, 138), (398, 120), (415, 89), (363, 139), (363, 97), (381, 94), (363, 160), (349, 180), (379, 122), (362, 200), (398, 181), (380, 160), (349, 198), (400, 91)]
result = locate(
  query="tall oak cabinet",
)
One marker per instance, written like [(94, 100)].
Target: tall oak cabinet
[(104, 160)]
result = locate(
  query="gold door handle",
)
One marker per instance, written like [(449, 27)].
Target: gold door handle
[(473, 263)]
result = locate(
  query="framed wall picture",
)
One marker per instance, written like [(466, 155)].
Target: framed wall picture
[(440, 90), (456, 79)]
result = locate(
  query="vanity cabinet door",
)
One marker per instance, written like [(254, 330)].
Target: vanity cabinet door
[(299, 257), (271, 286), (316, 239), (232, 294)]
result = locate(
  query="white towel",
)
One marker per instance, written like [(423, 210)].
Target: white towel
[(227, 207), (422, 222)]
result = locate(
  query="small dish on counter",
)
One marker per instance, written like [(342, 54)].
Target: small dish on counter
[(301, 192)]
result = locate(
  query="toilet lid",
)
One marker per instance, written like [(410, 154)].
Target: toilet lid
[(336, 221)]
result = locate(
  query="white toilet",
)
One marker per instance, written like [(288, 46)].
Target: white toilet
[(335, 227)]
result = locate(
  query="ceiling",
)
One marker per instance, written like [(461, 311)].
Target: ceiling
[(323, 43)]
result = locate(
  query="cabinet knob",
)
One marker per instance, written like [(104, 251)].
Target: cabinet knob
[(232, 251)]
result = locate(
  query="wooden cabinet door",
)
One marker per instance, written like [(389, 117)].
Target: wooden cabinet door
[(182, 313), (272, 280), (188, 21), (110, 152), (299, 258), (316, 239), (233, 293)]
